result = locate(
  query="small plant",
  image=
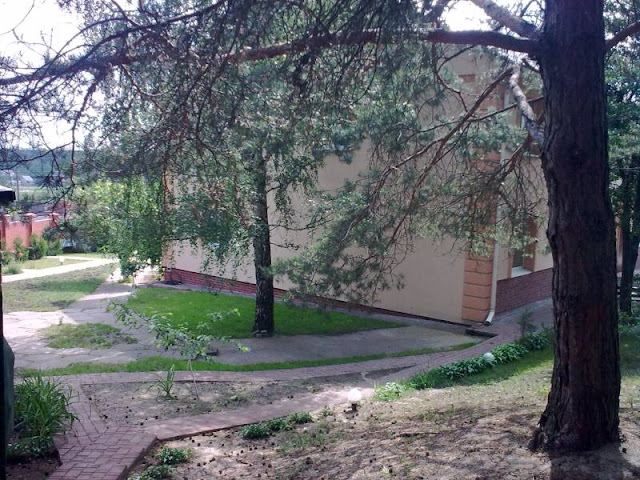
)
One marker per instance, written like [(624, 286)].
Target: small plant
[(11, 269), (300, 418), (508, 352), (526, 325), (279, 425), (55, 247), (326, 412), (173, 456), (165, 385), (42, 409), (255, 431), (536, 340), (389, 391), (154, 472)]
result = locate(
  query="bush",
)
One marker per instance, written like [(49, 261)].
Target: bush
[(173, 456), (264, 429), (38, 247), (20, 252), (41, 410), (11, 269), (55, 247), (536, 340), (508, 352), (154, 472), (389, 392)]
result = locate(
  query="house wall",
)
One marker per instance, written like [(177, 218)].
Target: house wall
[(440, 282)]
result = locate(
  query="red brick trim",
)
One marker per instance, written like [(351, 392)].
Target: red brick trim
[(519, 291)]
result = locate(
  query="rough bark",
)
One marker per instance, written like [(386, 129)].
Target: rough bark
[(263, 321), (582, 408), (630, 229)]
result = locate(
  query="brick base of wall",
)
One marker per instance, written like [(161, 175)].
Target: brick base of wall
[(220, 284), (519, 291)]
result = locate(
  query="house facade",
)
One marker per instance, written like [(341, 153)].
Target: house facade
[(441, 282)]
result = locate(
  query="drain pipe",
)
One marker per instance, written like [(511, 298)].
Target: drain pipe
[(496, 248)]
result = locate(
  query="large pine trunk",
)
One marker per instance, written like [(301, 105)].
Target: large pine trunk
[(630, 229), (582, 408), (263, 321)]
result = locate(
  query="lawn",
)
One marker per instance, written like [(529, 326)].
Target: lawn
[(86, 335), (195, 308), (46, 294), (47, 263)]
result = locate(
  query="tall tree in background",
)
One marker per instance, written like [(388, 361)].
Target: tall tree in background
[(569, 47), (623, 95)]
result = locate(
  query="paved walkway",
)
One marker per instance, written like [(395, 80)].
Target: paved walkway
[(87, 262), (98, 449)]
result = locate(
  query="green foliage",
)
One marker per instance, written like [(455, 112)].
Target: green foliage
[(42, 409), (165, 385), (255, 431), (55, 247), (508, 352), (300, 418), (25, 448), (173, 456), (20, 252), (154, 472), (11, 269), (124, 218), (389, 392), (190, 342), (38, 247), (87, 335), (536, 340), (265, 429), (526, 325)]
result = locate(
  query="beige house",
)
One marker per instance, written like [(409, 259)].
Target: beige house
[(440, 281)]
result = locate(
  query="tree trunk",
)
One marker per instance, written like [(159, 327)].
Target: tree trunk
[(263, 324), (630, 227), (582, 408)]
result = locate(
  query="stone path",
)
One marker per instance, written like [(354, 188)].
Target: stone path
[(95, 449)]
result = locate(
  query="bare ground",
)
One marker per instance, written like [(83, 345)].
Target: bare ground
[(136, 403), (476, 432)]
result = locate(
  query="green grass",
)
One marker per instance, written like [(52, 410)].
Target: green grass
[(157, 364), (47, 263), (47, 294), (88, 335), (88, 255), (195, 308)]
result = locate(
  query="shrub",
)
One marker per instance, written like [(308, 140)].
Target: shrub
[(11, 269), (508, 352), (41, 410), (279, 425), (154, 472), (38, 247), (173, 456), (20, 252), (536, 340), (300, 417), (389, 391), (255, 431), (55, 247)]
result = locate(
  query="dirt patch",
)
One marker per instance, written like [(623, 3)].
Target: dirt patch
[(34, 469), (136, 403), (476, 432)]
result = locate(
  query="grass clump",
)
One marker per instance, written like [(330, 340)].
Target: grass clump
[(390, 391), (154, 472), (174, 456), (259, 430), (47, 294), (195, 309), (87, 335), (41, 409)]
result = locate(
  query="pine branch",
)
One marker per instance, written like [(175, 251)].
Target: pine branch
[(622, 35), (530, 119), (505, 18)]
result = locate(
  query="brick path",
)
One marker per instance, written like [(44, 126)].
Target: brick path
[(97, 450)]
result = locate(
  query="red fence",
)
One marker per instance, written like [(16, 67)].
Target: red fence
[(23, 228)]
